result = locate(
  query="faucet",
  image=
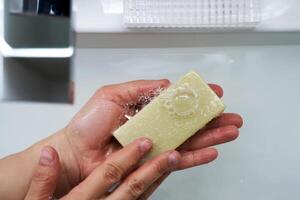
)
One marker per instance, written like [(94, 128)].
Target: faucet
[(40, 7)]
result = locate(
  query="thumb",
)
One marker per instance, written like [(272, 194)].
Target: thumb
[(44, 178)]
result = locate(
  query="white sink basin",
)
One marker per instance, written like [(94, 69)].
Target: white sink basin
[(260, 83)]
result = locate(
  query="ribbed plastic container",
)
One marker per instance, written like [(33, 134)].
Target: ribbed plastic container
[(204, 14)]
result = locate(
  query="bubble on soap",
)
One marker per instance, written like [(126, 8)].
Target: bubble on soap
[(132, 108), (181, 100)]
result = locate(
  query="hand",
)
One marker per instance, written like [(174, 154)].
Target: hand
[(113, 170), (87, 141)]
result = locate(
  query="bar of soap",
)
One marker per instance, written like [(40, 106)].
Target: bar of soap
[(173, 116)]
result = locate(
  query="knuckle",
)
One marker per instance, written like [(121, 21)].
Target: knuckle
[(42, 177), (159, 167), (230, 135), (195, 159), (113, 173), (136, 187), (234, 133)]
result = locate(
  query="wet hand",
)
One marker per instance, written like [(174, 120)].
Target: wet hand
[(87, 141)]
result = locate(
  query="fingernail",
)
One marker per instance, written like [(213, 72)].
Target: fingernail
[(173, 159), (46, 157), (145, 145)]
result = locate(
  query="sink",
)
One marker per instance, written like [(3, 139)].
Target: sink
[(260, 83)]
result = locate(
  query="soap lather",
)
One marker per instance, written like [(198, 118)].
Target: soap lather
[(173, 116)]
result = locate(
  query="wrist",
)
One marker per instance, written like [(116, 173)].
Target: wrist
[(69, 167)]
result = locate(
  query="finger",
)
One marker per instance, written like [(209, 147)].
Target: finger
[(211, 137), (226, 119), (197, 157), (44, 179), (111, 171), (217, 89), (153, 187), (140, 180), (129, 92)]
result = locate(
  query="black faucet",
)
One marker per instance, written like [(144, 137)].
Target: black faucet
[(44, 7)]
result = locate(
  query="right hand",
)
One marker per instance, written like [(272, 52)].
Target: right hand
[(120, 167), (87, 142)]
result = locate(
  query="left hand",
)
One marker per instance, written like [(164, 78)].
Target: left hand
[(117, 169)]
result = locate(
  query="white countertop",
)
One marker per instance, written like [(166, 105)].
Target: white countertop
[(103, 16)]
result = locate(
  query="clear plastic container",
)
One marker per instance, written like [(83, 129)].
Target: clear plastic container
[(211, 14)]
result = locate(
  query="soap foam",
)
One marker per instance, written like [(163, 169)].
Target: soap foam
[(132, 108)]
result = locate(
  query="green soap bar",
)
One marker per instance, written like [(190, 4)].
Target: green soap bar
[(174, 116)]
